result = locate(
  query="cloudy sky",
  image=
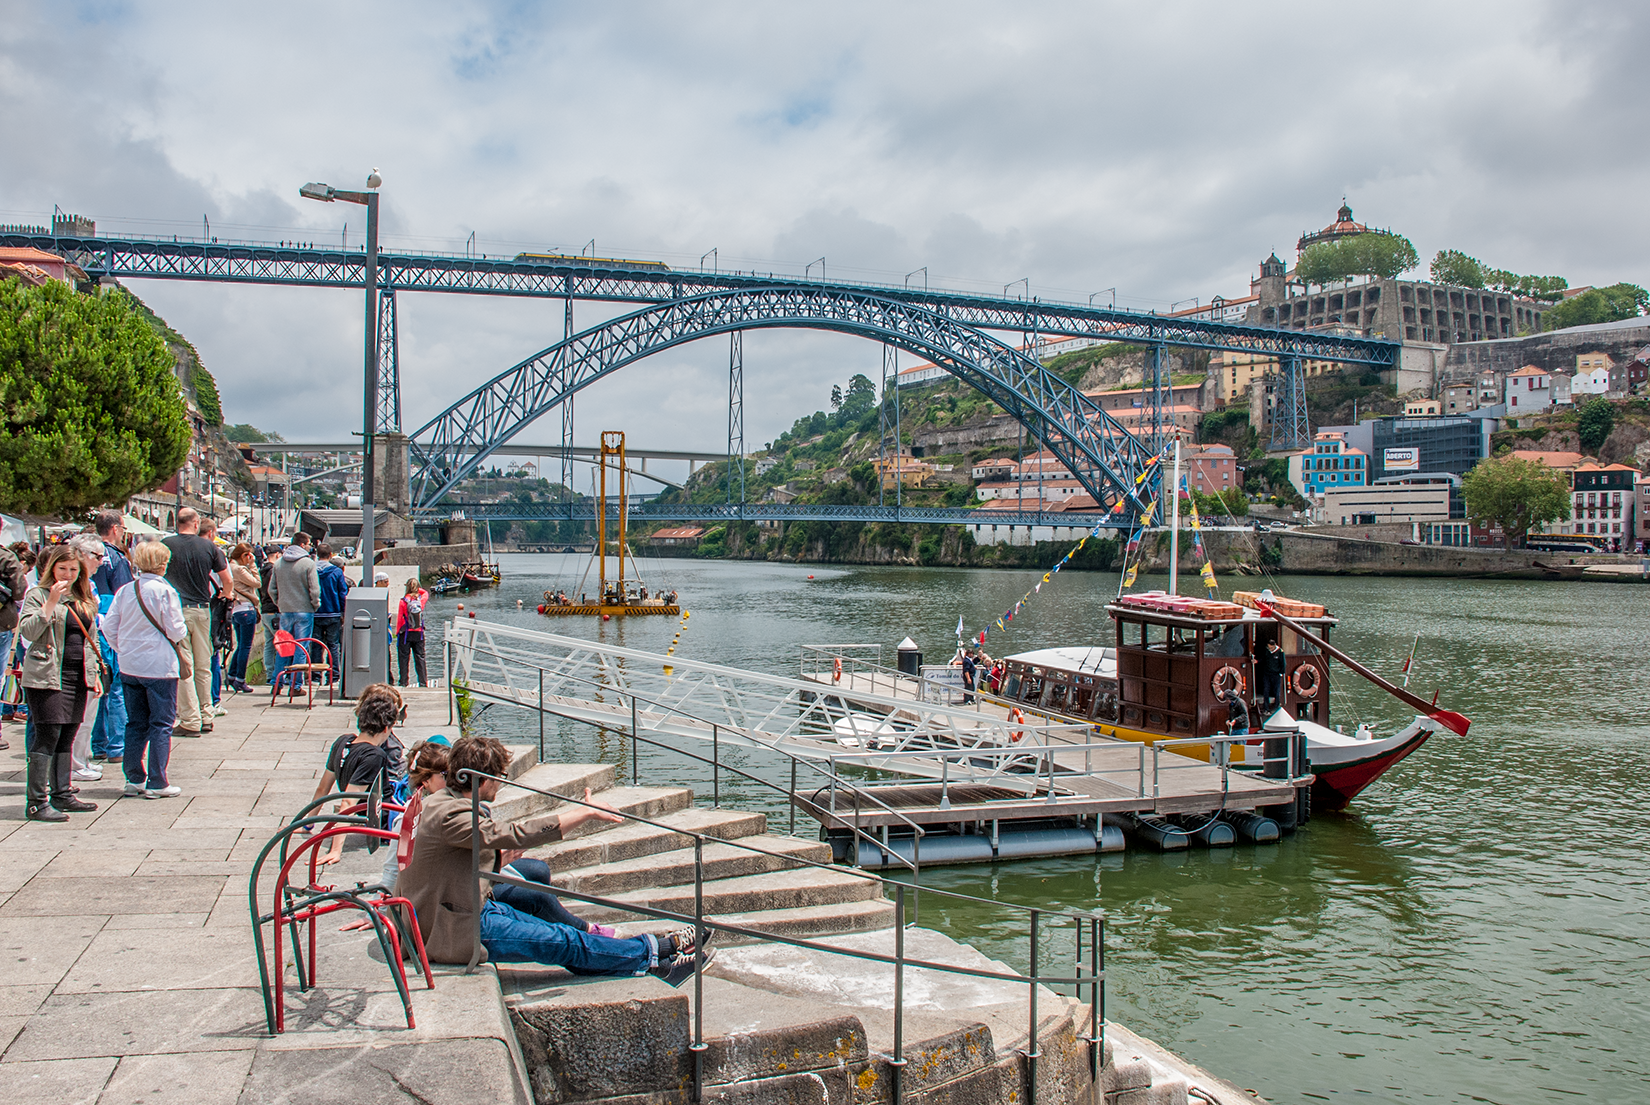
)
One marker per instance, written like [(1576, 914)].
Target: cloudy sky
[(1158, 149)]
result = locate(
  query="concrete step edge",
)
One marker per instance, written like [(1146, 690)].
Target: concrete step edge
[(636, 840), (674, 867)]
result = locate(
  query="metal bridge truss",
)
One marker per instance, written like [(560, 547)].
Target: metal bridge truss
[(255, 263), (600, 684), (1097, 450), (389, 365)]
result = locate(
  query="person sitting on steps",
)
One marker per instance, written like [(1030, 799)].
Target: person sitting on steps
[(455, 914)]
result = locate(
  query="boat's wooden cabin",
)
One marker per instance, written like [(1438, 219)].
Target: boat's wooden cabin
[(1076, 682), (1171, 667)]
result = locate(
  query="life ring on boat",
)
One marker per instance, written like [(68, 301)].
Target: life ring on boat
[(1306, 681), (836, 670), (1218, 683), (1015, 717)]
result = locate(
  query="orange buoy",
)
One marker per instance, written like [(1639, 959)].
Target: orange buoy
[(461, 606), (810, 577), (607, 617)]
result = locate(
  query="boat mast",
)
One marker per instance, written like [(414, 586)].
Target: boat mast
[(1174, 523), (601, 522), (618, 436)]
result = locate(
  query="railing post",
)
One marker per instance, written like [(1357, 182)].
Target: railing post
[(898, 1061), (447, 670), (698, 1046), (541, 715), (1031, 1044), (633, 734), (945, 782), (793, 796), (716, 766), (475, 861), (1097, 996)]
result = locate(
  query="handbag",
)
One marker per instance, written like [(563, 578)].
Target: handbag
[(186, 666), (105, 674)]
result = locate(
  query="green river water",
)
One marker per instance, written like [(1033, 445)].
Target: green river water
[(1473, 928)]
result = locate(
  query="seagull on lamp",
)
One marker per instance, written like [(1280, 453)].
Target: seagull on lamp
[(374, 180)]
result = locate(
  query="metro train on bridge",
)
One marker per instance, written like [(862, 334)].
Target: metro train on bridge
[(594, 262)]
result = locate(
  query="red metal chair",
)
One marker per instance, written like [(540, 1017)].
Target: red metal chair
[(299, 650), (393, 920)]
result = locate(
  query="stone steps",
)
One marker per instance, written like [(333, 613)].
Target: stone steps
[(676, 868), (514, 804), (630, 841), (795, 889)]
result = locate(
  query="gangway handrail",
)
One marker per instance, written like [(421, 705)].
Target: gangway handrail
[(1095, 979), (915, 863)]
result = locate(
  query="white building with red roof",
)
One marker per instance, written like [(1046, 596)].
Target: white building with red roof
[(1529, 390)]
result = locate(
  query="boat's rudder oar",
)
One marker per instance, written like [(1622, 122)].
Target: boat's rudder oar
[(1449, 719)]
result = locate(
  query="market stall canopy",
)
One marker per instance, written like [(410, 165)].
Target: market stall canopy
[(137, 526)]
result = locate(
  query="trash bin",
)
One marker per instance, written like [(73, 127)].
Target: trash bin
[(366, 639), (910, 658)]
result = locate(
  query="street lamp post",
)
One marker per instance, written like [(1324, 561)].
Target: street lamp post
[(325, 193)]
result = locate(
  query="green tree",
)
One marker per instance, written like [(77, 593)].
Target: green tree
[(1594, 422), (1596, 305), (90, 411), (1451, 266), (1374, 254), (1515, 494), (861, 397), (1549, 288)]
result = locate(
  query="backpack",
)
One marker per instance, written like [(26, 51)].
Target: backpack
[(414, 621)]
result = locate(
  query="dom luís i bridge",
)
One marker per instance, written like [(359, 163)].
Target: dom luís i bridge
[(987, 341)]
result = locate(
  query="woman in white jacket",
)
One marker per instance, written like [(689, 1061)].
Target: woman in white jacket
[(144, 625)]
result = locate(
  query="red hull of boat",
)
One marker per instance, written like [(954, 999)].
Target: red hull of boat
[(1336, 786)]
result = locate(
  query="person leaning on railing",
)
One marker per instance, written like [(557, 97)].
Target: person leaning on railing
[(454, 913)]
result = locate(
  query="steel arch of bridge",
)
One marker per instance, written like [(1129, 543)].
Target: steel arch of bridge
[(1103, 456)]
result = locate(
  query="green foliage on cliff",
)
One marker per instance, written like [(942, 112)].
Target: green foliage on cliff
[(1377, 253), (1596, 305), (89, 406), (1594, 422)]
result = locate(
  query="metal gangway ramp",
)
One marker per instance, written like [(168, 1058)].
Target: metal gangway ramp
[(1017, 768)]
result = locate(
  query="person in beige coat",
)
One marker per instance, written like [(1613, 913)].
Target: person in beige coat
[(456, 911), (60, 670)]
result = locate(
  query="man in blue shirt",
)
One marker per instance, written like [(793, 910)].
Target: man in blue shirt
[(329, 619), (109, 728)]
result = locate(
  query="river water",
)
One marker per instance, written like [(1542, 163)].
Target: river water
[(1473, 928)]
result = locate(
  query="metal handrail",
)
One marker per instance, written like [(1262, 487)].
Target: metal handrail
[(831, 777), (1095, 979)]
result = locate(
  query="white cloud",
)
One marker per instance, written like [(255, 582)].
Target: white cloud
[(1161, 149)]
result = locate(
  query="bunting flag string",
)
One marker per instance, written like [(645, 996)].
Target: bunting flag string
[(1207, 572), (1048, 576)]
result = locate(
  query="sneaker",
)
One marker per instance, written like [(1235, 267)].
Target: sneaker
[(162, 792), (114, 758), (681, 940), (218, 710), (88, 774), (680, 967), (206, 727), (132, 790), (180, 731)]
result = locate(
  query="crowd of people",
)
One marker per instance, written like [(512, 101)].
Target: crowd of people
[(113, 648)]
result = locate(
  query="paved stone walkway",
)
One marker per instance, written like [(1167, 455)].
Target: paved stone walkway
[(128, 965)]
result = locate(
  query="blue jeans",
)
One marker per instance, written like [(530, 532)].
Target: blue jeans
[(217, 678), (109, 729), (511, 936), (300, 626), (151, 711), (272, 659), (245, 624), (537, 903), (5, 658), (330, 630)]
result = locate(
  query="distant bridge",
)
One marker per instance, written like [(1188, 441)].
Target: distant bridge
[(584, 510)]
